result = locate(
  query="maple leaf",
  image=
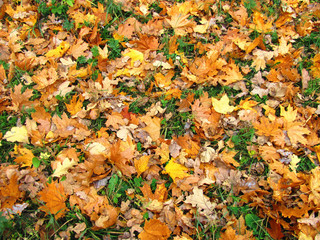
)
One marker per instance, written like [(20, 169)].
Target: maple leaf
[(79, 49), (10, 193), (75, 105), (19, 99), (120, 157), (135, 55), (176, 170), (315, 186), (222, 105), (45, 78), (146, 42), (295, 133), (180, 22), (54, 197), (261, 23), (154, 201), (25, 158), (289, 115), (141, 164), (154, 229), (163, 81), (153, 126), (114, 120), (58, 51), (17, 134), (104, 52), (294, 162)]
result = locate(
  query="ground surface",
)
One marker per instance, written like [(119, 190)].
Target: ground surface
[(160, 119)]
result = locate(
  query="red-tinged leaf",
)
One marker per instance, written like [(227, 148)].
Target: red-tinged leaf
[(275, 230)]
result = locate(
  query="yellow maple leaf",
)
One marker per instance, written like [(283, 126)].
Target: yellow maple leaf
[(176, 170), (25, 158), (135, 55), (58, 51), (17, 134), (141, 164), (289, 115), (222, 105), (75, 106), (62, 168)]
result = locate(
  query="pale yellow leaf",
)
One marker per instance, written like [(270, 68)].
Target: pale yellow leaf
[(17, 134), (62, 168), (222, 105)]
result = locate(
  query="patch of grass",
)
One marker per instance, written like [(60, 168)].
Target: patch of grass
[(305, 165), (117, 186), (115, 48), (257, 225), (6, 123), (241, 140), (179, 121), (313, 87)]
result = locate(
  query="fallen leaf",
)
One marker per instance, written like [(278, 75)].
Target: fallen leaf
[(222, 105), (176, 170), (54, 197), (17, 134), (154, 229)]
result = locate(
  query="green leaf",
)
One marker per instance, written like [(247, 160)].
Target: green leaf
[(36, 162), (252, 220), (112, 184)]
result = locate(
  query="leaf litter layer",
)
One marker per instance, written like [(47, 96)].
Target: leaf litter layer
[(160, 119)]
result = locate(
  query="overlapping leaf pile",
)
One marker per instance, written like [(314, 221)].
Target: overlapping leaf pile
[(204, 115)]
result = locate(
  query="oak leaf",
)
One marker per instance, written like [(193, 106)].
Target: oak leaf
[(17, 134), (63, 167), (54, 197), (201, 202)]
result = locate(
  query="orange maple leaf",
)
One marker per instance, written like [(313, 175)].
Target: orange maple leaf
[(154, 229), (75, 105), (120, 158), (146, 42), (54, 197), (153, 126), (114, 120), (10, 193), (19, 99)]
